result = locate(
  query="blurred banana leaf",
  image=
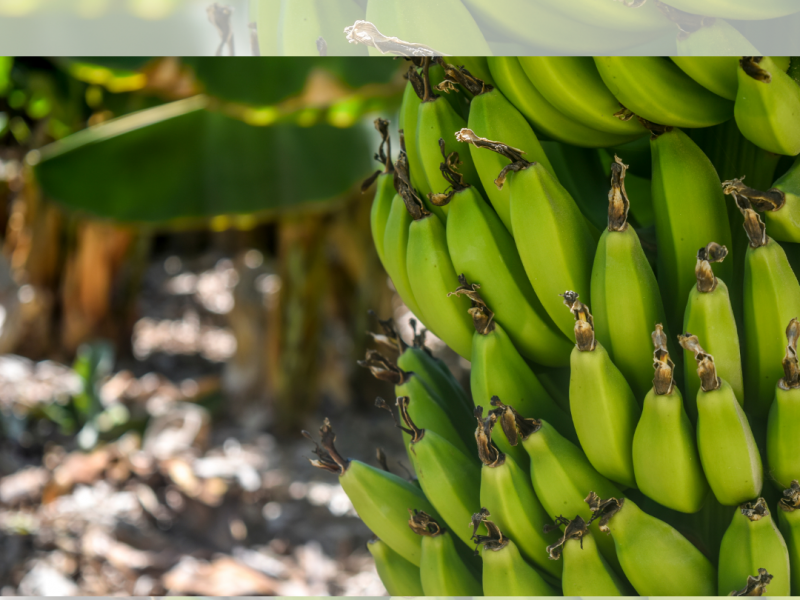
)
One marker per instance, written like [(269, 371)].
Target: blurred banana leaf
[(185, 161)]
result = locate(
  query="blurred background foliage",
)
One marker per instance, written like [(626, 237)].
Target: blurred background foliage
[(108, 166)]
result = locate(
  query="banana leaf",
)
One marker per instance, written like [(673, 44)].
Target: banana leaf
[(183, 161)]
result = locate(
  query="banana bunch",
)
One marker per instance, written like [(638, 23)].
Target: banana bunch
[(645, 445)]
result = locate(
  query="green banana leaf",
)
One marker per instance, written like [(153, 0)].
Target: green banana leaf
[(183, 161)]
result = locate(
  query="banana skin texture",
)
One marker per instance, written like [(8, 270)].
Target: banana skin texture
[(395, 251), (560, 472), (449, 477), (380, 498), (303, 22), (483, 250), (656, 559), (783, 424), (399, 577), (690, 212), (727, 448), (789, 525), (443, 571), (752, 542), (492, 116), (625, 296), (655, 88), (432, 276), (603, 406), (381, 207), (505, 572), (507, 493), (767, 107), (709, 315), (665, 459), (586, 572)]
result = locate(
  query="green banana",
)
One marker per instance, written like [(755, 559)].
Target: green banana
[(690, 211), (767, 107), (267, 17), (418, 359), (625, 295), (506, 491), (447, 25), (756, 585), (505, 572), (492, 116), (573, 84), (783, 425), (380, 498), (431, 276), (709, 315), (449, 477), (751, 542), (603, 406), (482, 249), (395, 245), (399, 577), (725, 441), (303, 22), (545, 118), (771, 299), (497, 369), (409, 115), (540, 26), (656, 559), (780, 204), (546, 222), (586, 572), (560, 472), (654, 88), (384, 189), (617, 16), (443, 571), (665, 458), (738, 9), (789, 524), (433, 412)]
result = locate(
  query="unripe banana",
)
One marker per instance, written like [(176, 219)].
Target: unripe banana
[(780, 204), (507, 493), (492, 116), (303, 22), (433, 412), (384, 189), (654, 88), (498, 369), (380, 498), (725, 442), (767, 107), (756, 585), (449, 477), (718, 74), (751, 542), (418, 359), (573, 84), (603, 406), (586, 572), (443, 571), (432, 276), (483, 250), (738, 9), (625, 295), (783, 426), (546, 222), (560, 472), (409, 115), (789, 524), (709, 315), (656, 559), (690, 211), (505, 572), (545, 118), (665, 458), (399, 577), (771, 300)]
